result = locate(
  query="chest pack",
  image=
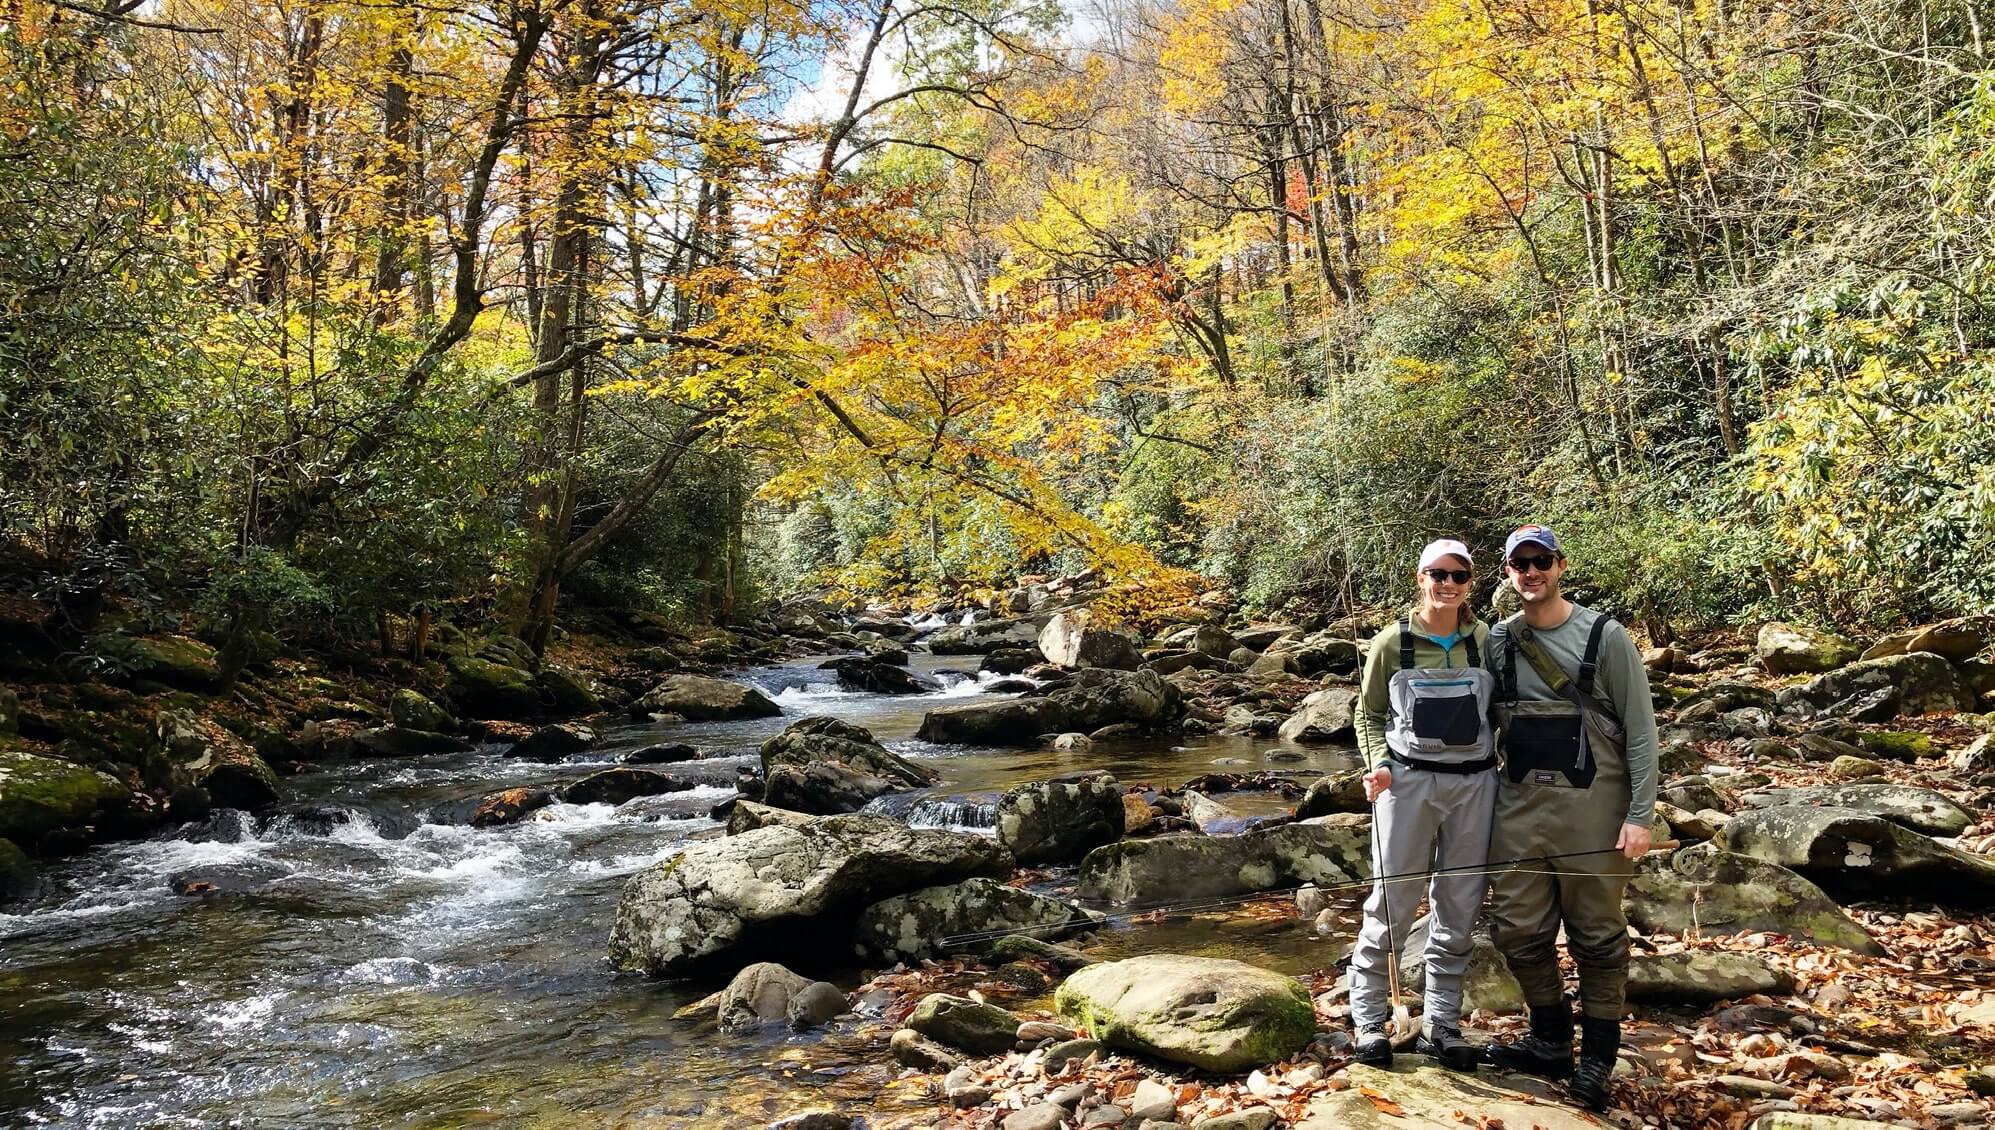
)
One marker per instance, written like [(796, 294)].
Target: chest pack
[(1439, 719), (1554, 741)]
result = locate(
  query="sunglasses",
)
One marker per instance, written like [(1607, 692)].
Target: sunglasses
[(1459, 576), (1542, 562)]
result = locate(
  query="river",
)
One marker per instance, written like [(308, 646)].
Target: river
[(392, 966)]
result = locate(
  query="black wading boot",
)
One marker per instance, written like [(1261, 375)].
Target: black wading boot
[(1547, 1051), (1374, 1047), (1599, 1040), (1447, 1045)]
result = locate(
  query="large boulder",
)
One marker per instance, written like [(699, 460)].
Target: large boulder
[(1711, 892), (415, 711), (1092, 699), (1921, 810), (1209, 640), (400, 741), (615, 786), (759, 994), (1175, 868), (485, 688), (1787, 648), (1069, 641), (822, 788), (559, 740), (1696, 978), (745, 815), (1338, 792), (565, 691), (1327, 715), (697, 698), (960, 1022), (1210, 1013), (204, 755), (818, 739), (1916, 683), (983, 637), (18, 880), (779, 888), (176, 661), (1958, 640), (1489, 986), (1417, 1093), (867, 673), (1062, 819), (1855, 853), (39, 795), (959, 918), (509, 806)]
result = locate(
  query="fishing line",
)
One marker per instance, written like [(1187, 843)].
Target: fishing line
[(1194, 906)]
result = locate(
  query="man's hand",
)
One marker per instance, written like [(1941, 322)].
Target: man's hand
[(1634, 841), (1377, 781)]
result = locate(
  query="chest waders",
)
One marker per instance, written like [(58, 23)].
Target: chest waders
[(1564, 789), (1436, 814)]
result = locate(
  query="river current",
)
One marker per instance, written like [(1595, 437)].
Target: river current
[(389, 965)]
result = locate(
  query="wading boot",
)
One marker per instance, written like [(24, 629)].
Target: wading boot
[(1599, 1040), (1547, 1051), (1374, 1047), (1446, 1044)]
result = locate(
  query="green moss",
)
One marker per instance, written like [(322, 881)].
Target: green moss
[(40, 794), (1899, 745)]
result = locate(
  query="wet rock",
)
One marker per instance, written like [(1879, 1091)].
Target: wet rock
[(565, 691), (1137, 815), (550, 743), (1785, 649), (697, 698), (1921, 810), (1061, 1055), (1209, 1013), (1013, 722), (864, 673), (1024, 947), (1923, 683), (781, 888), (1325, 716), (219, 763), (1060, 820), (1716, 892), (823, 788), (1173, 868), (1338, 792), (819, 1120), (510, 806), (984, 637), (227, 879), (411, 710), (822, 739), (18, 879), (1428, 1095), (1072, 743), (42, 795), (929, 922), (1093, 698), (483, 688), (912, 1049), (959, 1022), (615, 786), (400, 741), (759, 994), (1848, 852), (1488, 985), (1011, 660), (669, 754), (746, 816), (1069, 640), (818, 1004), (1701, 978)]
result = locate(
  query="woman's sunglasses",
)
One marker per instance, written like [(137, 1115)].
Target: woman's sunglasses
[(1542, 562), (1459, 576)]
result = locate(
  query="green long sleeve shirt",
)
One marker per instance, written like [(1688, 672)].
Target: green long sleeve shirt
[(1374, 694)]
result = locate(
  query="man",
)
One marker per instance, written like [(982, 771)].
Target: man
[(1579, 781)]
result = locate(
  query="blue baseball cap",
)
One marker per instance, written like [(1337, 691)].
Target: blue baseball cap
[(1525, 534)]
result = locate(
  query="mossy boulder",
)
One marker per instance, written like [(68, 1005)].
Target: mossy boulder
[(1856, 854), (1915, 683), (1700, 978), (1899, 746), (176, 661), (1789, 648), (1921, 810), (1715, 892), (39, 795), (400, 741), (486, 689), (1173, 868), (1210, 1013), (1060, 820), (203, 754), (567, 691), (960, 1022), (1338, 792), (17, 873), (416, 712), (959, 918), (697, 698)]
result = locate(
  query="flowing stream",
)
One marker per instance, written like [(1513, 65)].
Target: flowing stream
[(389, 965)]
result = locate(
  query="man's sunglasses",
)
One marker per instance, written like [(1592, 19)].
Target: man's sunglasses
[(1459, 576), (1542, 562)]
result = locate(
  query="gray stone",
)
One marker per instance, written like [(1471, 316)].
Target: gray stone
[(1338, 792), (760, 993), (746, 816), (1785, 649), (1924, 683), (878, 676), (1059, 1055), (697, 698), (1713, 892), (1060, 820), (558, 740), (1045, 1116), (1921, 810), (1024, 947), (615, 786), (1253, 1118), (400, 741), (912, 1049), (1978, 756), (1210, 1013), (960, 1022), (1325, 716), (983, 637), (1429, 1096), (824, 766), (1848, 852), (923, 923), (1489, 984), (1152, 1102), (1700, 978), (410, 709), (816, 1004), (1070, 641), (773, 886), (1175, 868)]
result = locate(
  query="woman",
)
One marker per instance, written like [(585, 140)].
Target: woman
[(1430, 760)]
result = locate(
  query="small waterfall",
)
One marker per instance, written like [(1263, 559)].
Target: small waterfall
[(954, 813)]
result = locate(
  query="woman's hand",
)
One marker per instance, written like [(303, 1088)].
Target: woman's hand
[(1377, 781)]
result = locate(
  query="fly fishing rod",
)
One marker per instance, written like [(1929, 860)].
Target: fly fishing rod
[(1195, 906)]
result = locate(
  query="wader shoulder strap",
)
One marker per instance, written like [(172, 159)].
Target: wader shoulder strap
[(1507, 691), (1475, 656), (1589, 664), (1406, 643), (1555, 676)]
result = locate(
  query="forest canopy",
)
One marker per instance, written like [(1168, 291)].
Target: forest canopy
[(318, 312)]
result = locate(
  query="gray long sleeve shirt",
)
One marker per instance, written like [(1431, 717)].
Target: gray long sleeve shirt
[(1621, 682)]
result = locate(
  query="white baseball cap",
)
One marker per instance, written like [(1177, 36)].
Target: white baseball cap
[(1444, 547)]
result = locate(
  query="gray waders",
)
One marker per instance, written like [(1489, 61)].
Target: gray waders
[(1435, 815), (1565, 789)]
